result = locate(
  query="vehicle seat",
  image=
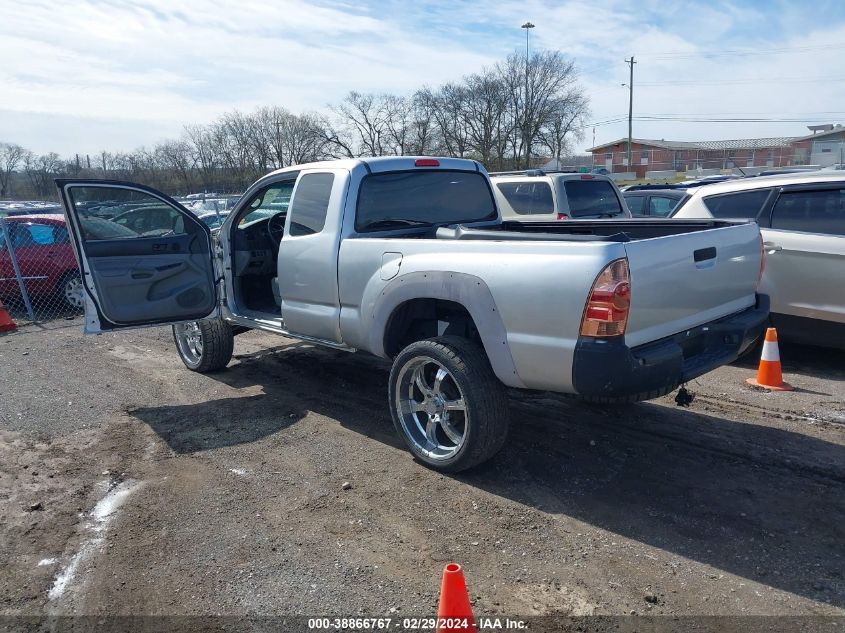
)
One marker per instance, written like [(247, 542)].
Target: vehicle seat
[(277, 296)]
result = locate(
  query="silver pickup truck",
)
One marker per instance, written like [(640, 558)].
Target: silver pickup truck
[(408, 259)]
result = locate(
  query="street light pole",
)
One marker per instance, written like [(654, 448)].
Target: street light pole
[(527, 26)]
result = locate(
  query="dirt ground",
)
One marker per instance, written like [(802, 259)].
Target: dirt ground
[(131, 486)]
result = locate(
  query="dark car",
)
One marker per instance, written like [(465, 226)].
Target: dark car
[(149, 219), (657, 203), (45, 259)]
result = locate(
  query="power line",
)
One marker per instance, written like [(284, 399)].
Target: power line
[(747, 80), (743, 52), (731, 119), (795, 114)]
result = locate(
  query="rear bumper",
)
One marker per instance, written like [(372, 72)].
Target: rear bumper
[(607, 368)]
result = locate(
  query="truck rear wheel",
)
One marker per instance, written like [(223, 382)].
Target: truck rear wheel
[(447, 404), (204, 345)]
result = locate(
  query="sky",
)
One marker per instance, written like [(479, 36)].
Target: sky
[(82, 76)]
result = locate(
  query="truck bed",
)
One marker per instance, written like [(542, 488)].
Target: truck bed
[(583, 230)]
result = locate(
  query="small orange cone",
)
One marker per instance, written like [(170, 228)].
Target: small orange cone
[(768, 374), (454, 612), (6, 323)]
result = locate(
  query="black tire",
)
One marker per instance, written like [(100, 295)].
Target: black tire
[(218, 343), (486, 415)]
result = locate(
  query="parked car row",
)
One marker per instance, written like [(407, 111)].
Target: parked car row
[(801, 214)]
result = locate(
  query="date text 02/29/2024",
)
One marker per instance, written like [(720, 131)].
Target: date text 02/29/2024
[(414, 624)]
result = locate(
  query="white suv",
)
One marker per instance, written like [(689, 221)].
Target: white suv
[(802, 219), (538, 196)]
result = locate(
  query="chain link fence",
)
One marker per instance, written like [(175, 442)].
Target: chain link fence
[(39, 276), (663, 162)]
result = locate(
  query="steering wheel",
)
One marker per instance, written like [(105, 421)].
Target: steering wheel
[(276, 227)]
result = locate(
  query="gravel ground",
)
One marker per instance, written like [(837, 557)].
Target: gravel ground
[(129, 485)]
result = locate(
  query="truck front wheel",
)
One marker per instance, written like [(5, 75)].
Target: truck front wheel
[(447, 403), (204, 345)]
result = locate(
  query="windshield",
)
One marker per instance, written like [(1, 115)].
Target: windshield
[(423, 198)]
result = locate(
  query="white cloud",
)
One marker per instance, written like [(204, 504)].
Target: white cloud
[(120, 72)]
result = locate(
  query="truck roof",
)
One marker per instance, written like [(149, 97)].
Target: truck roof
[(379, 164)]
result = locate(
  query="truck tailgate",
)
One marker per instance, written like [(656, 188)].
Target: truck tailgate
[(681, 281)]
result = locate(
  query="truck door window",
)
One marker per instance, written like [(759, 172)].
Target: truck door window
[(528, 198), (117, 213), (811, 212), (746, 204), (310, 204)]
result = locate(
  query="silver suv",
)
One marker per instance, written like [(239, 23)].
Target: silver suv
[(538, 196), (802, 219)]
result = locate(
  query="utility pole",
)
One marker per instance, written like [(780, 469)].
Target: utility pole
[(631, 63), (527, 26)]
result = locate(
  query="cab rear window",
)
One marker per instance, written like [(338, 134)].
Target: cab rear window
[(591, 197), (422, 198)]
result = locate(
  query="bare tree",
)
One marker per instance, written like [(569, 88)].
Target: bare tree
[(11, 155), (364, 116), (534, 85), (484, 112), (175, 157), (398, 114), (204, 153), (40, 172), (449, 103), (565, 120), (422, 133)]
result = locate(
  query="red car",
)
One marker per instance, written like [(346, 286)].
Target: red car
[(45, 258)]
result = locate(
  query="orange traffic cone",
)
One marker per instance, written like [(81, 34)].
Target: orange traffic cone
[(454, 612), (6, 323), (768, 374)]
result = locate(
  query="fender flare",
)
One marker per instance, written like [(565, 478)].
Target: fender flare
[(467, 290)]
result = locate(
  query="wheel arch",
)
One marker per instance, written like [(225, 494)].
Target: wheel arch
[(446, 303)]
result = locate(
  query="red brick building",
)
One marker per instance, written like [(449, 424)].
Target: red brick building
[(661, 155), (823, 147)]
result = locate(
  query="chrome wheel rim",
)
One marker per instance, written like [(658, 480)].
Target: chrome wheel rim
[(73, 292), (431, 408), (189, 340)]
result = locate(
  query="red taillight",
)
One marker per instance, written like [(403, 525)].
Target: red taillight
[(562, 216), (426, 162), (606, 312), (586, 177)]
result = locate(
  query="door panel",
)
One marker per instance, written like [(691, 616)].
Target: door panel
[(307, 265), (805, 252), (145, 259), (803, 274)]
